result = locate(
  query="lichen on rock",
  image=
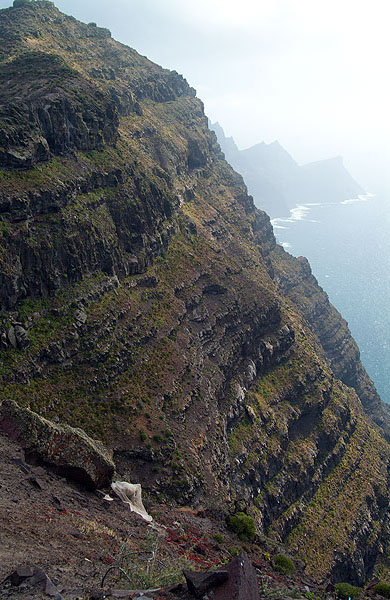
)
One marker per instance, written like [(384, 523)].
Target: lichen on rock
[(69, 450)]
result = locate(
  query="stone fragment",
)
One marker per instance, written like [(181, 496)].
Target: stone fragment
[(21, 573), (35, 577), (97, 595), (71, 451), (148, 281), (251, 413), (44, 583), (11, 336), (40, 471), (242, 581), (35, 482), (53, 353), (3, 341), (177, 588), (22, 465), (200, 583), (21, 336), (76, 534), (250, 371), (80, 316)]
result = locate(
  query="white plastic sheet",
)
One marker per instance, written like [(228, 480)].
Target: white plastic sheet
[(131, 494)]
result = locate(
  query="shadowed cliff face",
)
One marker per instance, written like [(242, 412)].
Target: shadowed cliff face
[(144, 299), (295, 279)]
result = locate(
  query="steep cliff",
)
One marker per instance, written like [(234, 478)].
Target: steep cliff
[(144, 299), (278, 183)]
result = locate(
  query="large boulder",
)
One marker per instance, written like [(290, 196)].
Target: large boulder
[(200, 583), (242, 581), (71, 451), (237, 581)]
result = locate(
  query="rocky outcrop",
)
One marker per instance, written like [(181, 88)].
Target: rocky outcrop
[(56, 111), (70, 451), (91, 227)]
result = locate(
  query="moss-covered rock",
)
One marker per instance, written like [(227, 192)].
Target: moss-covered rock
[(74, 454)]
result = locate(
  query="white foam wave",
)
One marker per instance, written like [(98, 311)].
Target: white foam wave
[(360, 198), (299, 212), (286, 244)]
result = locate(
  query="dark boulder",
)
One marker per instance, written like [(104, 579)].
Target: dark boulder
[(242, 581), (237, 581), (71, 451), (36, 578), (200, 583)]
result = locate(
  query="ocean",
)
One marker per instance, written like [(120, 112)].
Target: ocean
[(348, 246)]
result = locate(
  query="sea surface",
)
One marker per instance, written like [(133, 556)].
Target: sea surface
[(348, 246)]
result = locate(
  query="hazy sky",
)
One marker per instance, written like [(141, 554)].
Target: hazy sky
[(311, 73)]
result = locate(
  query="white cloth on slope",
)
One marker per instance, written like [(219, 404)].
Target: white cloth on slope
[(131, 494)]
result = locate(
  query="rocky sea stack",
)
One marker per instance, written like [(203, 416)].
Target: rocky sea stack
[(144, 299)]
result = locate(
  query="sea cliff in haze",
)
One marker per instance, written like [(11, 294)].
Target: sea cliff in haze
[(278, 183)]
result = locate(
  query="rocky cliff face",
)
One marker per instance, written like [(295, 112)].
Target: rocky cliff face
[(278, 183), (144, 299)]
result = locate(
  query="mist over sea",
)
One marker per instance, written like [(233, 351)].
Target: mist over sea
[(348, 246)]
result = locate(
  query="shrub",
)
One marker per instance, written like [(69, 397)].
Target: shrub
[(19, 3), (150, 566), (346, 590), (218, 537), (383, 589), (283, 563), (234, 551), (142, 435), (157, 438), (243, 526)]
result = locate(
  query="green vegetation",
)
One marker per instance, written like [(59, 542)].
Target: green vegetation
[(20, 3), (284, 564), (30, 66), (383, 589), (310, 596), (218, 537), (148, 566), (346, 590), (243, 525)]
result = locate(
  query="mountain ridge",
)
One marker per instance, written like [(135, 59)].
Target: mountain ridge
[(278, 183)]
